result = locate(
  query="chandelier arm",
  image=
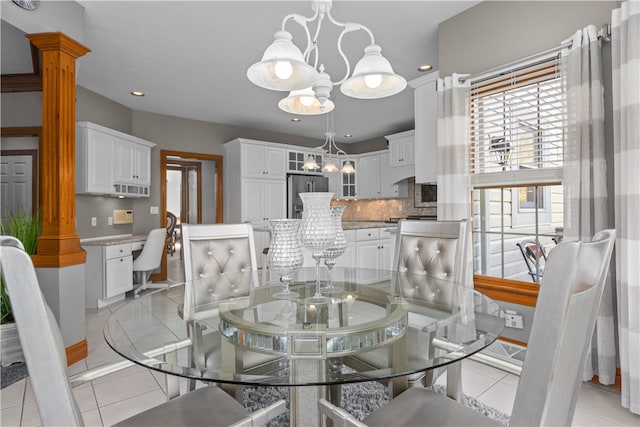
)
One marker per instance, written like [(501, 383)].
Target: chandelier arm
[(302, 21), (348, 28), (314, 41)]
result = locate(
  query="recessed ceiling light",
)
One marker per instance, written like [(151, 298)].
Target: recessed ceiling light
[(348, 135), (137, 93), (425, 67), (296, 119)]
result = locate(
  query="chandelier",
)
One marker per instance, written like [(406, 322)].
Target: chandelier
[(331, 163), (284, 67)]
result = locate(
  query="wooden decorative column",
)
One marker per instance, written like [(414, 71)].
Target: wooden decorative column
[(59, 245), (59, 259)]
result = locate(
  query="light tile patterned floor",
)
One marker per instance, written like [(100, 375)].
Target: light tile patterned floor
[(125, 393)]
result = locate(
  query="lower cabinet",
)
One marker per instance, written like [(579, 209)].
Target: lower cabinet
[(108, 273), (367, 248), (374, 251)]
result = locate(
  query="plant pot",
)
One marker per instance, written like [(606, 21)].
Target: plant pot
[(10, 348)]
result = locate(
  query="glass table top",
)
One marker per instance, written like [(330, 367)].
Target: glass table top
[(382, 325)]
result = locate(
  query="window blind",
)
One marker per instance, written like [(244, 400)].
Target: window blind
[(517, 126)]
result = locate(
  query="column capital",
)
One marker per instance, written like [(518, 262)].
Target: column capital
[(58, 42)]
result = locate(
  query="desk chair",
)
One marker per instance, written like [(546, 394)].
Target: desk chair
[(46, 360), (150, 259), (560, 338)]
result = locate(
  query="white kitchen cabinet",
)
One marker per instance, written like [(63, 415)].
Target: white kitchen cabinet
[(133, 163), (343, 185), (95, 151), (296, 159), (374, 177), (111, 162), (401, 149), (402, 156), (374, 251), (426, 115), (263, 200), (369, 177), (108, 273), (255, 182), (263, 161)]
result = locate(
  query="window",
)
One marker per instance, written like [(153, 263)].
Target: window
[(516, 154)]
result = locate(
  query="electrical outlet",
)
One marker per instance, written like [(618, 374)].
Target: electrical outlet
[(513, 320), (358, 208), (400, 207), (94, 221), (109, 220), (153, 210)]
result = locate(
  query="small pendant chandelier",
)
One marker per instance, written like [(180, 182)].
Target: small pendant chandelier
[(331, 163)]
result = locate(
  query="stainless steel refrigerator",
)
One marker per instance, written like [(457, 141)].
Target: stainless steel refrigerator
[(297, 184)]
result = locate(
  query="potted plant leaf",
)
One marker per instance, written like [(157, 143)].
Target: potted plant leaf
[(26, 228)]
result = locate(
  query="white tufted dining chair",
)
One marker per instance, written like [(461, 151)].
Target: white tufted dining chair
[(209, 251), (561, 333), (434, 248), (45, 356), (437, 249)]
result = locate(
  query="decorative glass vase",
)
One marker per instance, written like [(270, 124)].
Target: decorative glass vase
[(336, 249), (285, 254), (317, 232)]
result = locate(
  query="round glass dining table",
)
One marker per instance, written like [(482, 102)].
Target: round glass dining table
[(230, 330)]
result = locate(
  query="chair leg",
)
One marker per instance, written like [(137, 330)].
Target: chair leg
[(142, 286)]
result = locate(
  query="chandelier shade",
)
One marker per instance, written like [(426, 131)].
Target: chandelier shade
[(373, 77), (304, 102), (282, 66)]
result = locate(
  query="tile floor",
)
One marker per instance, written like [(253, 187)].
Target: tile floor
[(122, 394)]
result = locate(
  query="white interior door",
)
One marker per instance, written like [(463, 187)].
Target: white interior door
[(16, 186)]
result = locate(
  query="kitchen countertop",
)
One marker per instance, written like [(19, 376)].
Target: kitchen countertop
[(346, 225), (112, 240), (350, 225)]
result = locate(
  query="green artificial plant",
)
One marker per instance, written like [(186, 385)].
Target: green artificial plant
[(26, 228)]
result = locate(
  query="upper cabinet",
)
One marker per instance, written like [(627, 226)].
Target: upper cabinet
[(133, 162), (375, 179), (426, 119), (255, 181), (402, 155), (262, 161), (401, 149), (296, 159), (113, 163)]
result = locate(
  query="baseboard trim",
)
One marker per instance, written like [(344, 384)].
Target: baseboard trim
[(617, 385), (76, 352)]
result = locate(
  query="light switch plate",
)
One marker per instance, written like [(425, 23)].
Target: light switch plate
[(153, 210)]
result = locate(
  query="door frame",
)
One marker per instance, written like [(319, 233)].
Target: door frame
[(164, 154)]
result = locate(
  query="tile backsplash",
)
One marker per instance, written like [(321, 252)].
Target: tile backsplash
[(382, 209)]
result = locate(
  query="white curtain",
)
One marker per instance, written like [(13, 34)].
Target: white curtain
[(454, 198), (585, 188), (625, 52)]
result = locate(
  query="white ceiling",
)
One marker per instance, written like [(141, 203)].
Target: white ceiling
[(190, 59)]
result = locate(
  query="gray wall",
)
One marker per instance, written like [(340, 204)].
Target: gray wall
[(193, 136), (493, 33), (21, 109)]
